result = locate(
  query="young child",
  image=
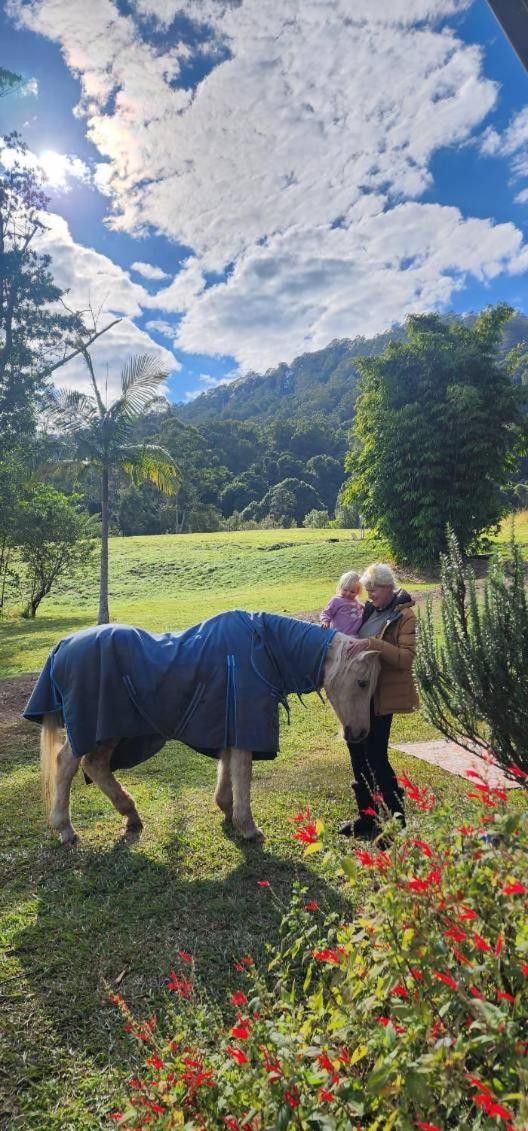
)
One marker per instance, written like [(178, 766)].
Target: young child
[(344, 611)]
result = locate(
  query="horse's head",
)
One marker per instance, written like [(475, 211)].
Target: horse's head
[(349, 684)]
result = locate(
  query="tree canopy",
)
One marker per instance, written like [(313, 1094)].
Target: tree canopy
[(437, 434)]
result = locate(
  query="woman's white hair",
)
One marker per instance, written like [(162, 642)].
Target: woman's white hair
[(348, 580), (379, 574)]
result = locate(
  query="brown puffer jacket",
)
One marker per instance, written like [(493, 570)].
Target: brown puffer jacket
[(396, 644)]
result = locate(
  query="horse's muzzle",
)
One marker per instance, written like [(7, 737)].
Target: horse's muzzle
[(355, 736)]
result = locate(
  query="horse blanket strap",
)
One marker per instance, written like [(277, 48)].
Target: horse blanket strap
[(216, 685)]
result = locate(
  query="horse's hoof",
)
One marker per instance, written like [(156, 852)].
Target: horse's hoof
[(255, 835), (134, 826), (69, 838)]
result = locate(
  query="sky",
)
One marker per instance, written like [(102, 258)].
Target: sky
[(244, 181)]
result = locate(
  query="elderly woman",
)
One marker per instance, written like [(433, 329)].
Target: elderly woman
[(388, 627)]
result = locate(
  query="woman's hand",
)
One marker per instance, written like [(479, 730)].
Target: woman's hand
[(356, 646)]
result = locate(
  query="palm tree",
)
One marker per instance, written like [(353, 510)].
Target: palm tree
[(101, 437)]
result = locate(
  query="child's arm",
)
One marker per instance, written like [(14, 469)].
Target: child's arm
[(327, 613)]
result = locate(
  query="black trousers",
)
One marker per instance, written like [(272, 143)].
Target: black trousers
[(374, 776)]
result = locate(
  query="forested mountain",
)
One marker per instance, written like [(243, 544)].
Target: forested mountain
[(315, 384), (268, 448)]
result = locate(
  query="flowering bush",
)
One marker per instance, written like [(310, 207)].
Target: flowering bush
[(412, 1015)]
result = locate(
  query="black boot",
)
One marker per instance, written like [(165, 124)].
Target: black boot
[(363, 828)]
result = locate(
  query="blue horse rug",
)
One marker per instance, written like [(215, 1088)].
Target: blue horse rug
[(216, 685)]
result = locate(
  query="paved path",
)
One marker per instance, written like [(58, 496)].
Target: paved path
[(456, 760)]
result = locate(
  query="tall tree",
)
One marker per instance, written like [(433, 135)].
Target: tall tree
[(37, 333), (101, 435), (437, 434)]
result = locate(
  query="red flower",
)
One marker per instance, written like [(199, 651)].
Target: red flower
[(115, 1115), (238, 998), (514, 889), (423, 846), (180, 986), (312, 905), (326, 1097), (263, 883), (185, 956), (370, 812), (480, 943), (308, 834), (384, 1021), (524, 969), (155, 1062), (467, 913), (327, 955), (449, 981), (503, 996), (400, 991), (428, 1126), (498, 946), (516, 770), (231, 1123), (456, 934), (241, 1032), (237, 1054), (476, 993), (304, 815), (415, 884), (492, 1108), (365, 858), (324, 1061), (466, 830), (292, 1099)]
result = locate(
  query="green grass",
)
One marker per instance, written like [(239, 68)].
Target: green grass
[(79, 922)]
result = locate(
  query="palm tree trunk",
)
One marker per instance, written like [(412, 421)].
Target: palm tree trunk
[(104, 613)]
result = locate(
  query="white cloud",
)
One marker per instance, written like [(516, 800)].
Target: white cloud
[(59, 169), (29, 89), (161, 327), (93, 280), (294, 168), (304, 288), (522, 197), (513, 143), (148, 271), (185, 287)]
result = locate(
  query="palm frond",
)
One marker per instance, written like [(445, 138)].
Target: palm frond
[(151, 463), (68, 409), (141, 378)]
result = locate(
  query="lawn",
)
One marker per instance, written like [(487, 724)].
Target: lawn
[(78, 923)]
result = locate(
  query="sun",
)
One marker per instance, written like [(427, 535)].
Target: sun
[(55, 167)]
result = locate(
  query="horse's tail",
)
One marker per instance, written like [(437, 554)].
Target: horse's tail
[(50, 744)]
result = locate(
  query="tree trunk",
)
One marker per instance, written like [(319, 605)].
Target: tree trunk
[(104, 613)]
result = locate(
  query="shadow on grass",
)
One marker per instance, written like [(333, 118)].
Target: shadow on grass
[(117, 919)]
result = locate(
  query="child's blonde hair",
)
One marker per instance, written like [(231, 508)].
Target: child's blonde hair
[(348, 581)]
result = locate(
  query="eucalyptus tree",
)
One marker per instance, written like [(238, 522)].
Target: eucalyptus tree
[(94, 433)]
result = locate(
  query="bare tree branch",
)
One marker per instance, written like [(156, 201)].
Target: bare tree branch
[(79, 349)]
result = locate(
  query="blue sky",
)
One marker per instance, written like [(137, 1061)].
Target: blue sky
[(244, 182)]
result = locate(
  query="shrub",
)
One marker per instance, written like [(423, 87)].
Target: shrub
[(472, 679), (411, 1015)]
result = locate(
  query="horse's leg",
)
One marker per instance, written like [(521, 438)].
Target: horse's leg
[(241, 769), (64, 772), (97, 766), (223, 795)]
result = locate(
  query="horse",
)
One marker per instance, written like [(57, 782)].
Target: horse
[(216, 687)]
